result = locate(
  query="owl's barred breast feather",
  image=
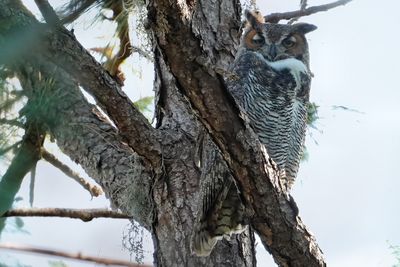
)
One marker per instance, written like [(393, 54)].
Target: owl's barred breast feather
[(275, 98)]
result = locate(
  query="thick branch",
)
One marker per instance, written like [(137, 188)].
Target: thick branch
[(276, 17), (93, 189), (76, 256), (65, 51), (88, 138), (85, 215)]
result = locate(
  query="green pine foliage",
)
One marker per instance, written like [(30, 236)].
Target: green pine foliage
[(10, 100), (396, 254), (312, 118)]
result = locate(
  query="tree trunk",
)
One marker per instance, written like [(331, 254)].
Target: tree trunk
[(177, 193)]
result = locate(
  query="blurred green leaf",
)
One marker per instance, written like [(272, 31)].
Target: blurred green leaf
[(144, 103), (305, 155), (57, 264), (19, 222), (312, 114)]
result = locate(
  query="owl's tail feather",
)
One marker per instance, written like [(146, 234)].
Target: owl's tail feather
[(203, 243), (220, 213)]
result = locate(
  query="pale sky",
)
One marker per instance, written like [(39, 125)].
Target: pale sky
[(348, 190)]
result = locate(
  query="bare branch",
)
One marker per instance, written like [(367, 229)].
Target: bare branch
[(32, 185), (48, 12), (85, 215), (142, 53), (94, 190), (76, 256), (276, 17), (303, 4)]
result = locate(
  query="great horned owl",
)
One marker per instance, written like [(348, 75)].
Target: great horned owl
[(270, 80)]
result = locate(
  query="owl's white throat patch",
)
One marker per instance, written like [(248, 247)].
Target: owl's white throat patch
[(295, 66)]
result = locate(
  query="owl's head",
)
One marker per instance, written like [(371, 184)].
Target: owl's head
[(276, 41)]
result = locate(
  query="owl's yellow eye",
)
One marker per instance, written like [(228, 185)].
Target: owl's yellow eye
[(289, 42)]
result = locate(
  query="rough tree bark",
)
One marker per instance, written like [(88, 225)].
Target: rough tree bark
[(151, 173)]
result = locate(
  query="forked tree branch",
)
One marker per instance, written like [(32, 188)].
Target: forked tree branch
[(276, 17), (65, 51), (85, 215), (94, 190), (74, 256)]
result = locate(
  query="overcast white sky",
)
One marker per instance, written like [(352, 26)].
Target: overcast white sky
[(348, 190)]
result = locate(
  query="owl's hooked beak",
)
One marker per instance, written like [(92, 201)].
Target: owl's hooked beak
[(272, 52)]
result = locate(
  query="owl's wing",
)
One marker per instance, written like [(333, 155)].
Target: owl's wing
[(247, 69), (220, 211)]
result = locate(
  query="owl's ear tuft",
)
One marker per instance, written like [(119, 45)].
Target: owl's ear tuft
[(254, 18), (304, 27)]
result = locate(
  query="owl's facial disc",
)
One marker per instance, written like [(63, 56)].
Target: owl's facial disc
[(282, 48)]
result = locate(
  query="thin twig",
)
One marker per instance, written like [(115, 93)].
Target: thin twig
[(303, 4), (85, 215), (276, 17), (32, 185), (5, 150), (48, 12), (12, 123), (94, 190), (75, 256), (142, 53)]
